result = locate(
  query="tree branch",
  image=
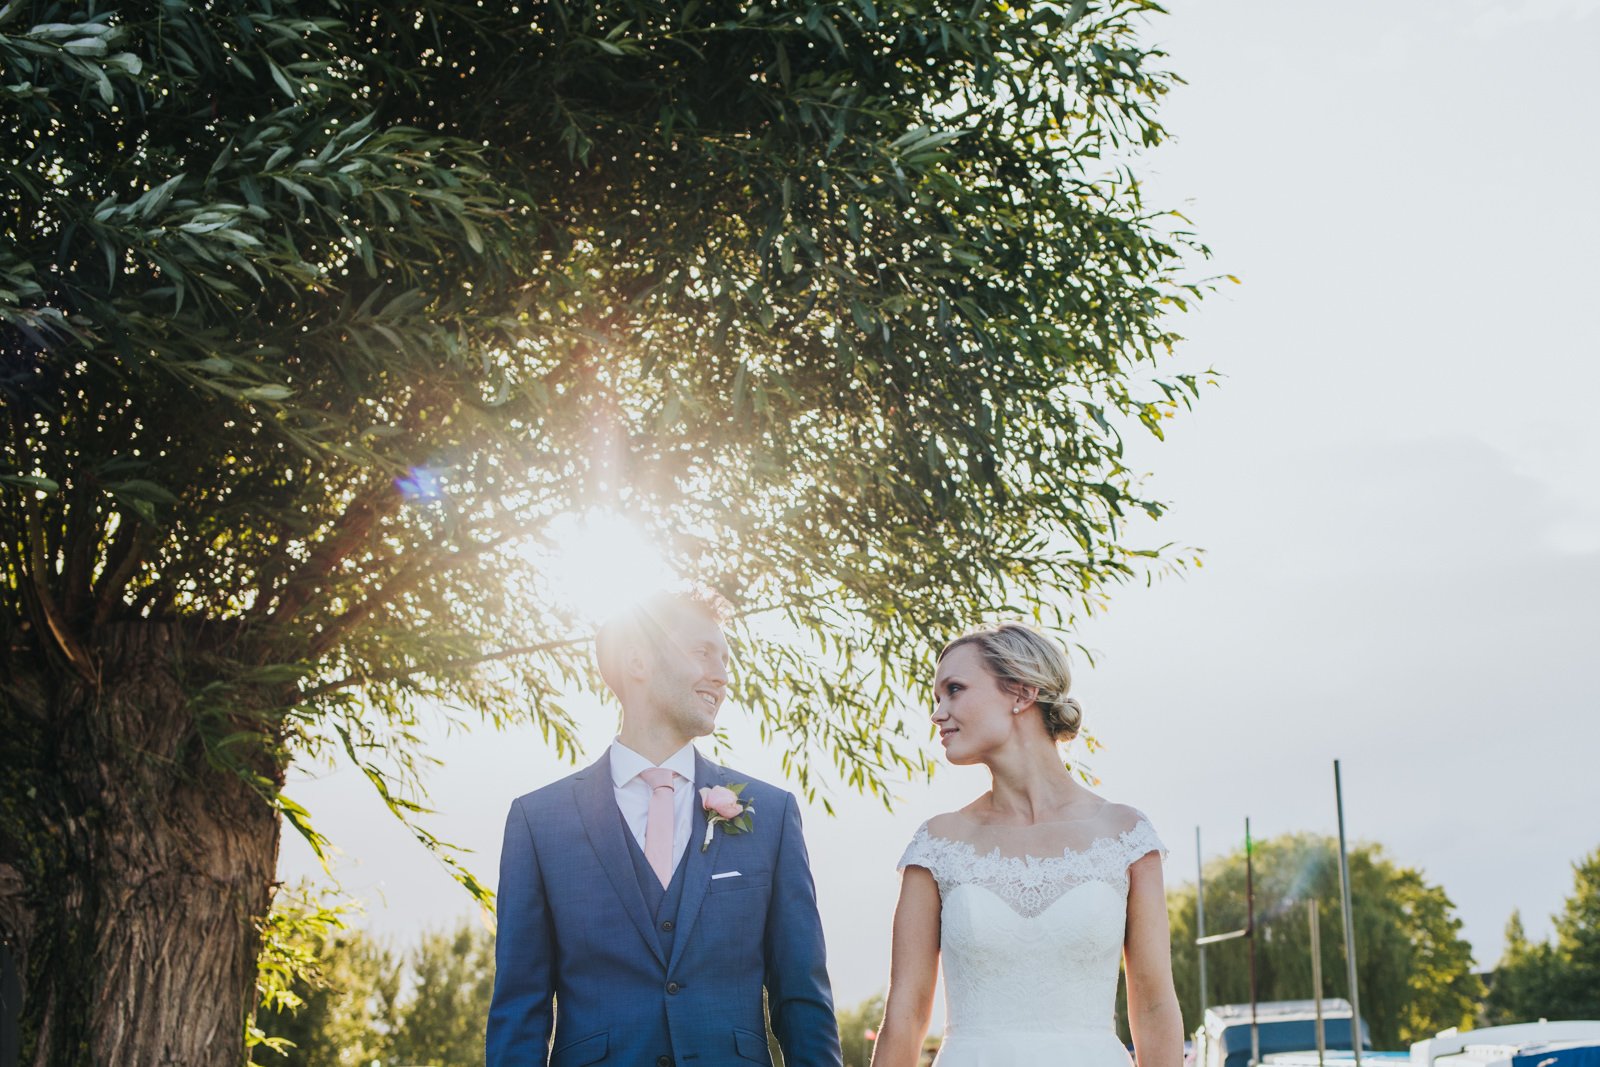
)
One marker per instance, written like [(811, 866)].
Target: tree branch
[(377, 503), (38, 569), (441, 668), (123, 558), (77, 550), (404, 580)]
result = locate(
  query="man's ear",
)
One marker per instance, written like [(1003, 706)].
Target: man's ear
[(636, 663)]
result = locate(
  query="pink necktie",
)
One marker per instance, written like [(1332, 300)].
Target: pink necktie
[(658, 822)]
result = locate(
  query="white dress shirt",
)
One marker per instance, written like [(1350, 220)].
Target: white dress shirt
[(633, 794)]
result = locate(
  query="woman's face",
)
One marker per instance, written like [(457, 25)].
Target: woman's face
[(972, 710)]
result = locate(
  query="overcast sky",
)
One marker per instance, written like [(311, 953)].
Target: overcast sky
[(1397, 488)]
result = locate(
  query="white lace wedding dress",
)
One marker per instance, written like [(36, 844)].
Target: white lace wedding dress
[(1032, 922)]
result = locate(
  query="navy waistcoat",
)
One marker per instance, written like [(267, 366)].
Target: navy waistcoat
[(661, 903)]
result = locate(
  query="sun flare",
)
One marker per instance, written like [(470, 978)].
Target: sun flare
[(600, 562)]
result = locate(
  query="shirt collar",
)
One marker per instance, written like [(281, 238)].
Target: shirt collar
[(626, 763)]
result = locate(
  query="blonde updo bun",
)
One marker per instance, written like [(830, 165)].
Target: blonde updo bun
[(1021, 657)]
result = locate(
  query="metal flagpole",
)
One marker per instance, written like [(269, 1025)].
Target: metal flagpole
[(1349, 920), (1250, 924), (1316, 978), (1200, 917), (1249, 931)]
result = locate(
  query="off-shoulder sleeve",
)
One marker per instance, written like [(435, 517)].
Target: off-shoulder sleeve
[(1142, 840), (919, 853)]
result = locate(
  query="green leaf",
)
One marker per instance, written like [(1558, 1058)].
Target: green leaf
[(142, 489), (299, 818), (31, 481), (126, 62), (300, 191), (474, 238), (102, 83), (282, 80), (86, 46), (155, 200)]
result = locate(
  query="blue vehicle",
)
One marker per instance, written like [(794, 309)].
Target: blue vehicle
[(1223, 1039), (1546, 1043)]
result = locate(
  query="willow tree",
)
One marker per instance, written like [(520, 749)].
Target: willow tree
[(318, 314), (1413, 965)]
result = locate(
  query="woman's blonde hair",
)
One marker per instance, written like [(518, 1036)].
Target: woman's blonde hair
[(1022, 657)]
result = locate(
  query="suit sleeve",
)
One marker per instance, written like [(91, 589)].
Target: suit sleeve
[(520, 1013), (799, 998)]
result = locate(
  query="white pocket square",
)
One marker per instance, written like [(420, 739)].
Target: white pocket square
[(726, 874)]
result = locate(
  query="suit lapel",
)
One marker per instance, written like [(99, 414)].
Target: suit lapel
[(697, 865), (597, 806)]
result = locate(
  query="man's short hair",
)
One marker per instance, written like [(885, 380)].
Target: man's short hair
[(649, 622)]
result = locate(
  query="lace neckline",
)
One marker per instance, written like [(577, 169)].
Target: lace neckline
[(1031, 883), (1067, 853)]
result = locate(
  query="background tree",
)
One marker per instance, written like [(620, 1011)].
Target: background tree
[(1577, 948), (361, 1003), (1414, 968), (441, 1021), (1559, 980), (1524, 983), (316, 316), (854, 1024), (341, 1014)]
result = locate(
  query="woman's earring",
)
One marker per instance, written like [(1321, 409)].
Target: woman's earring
[(1017, 710)]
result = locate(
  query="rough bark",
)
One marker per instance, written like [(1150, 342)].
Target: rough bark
[(133, 901)]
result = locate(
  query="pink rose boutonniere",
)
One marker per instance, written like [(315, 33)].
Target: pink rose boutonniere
[(723, 806)]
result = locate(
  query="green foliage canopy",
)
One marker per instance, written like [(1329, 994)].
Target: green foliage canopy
[(314, 311)]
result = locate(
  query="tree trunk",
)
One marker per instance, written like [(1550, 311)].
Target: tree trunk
[(133, 875)]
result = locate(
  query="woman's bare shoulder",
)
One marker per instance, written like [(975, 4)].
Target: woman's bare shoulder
[(958, 824)]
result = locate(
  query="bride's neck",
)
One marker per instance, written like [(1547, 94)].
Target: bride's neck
[(1031, 785)]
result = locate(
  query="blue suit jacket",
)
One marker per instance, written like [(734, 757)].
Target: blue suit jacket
[(577, 952)]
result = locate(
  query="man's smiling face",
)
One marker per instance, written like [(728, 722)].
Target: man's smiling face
[(689, 678)]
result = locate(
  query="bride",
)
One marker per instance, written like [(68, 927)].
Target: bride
[(1031, 892)]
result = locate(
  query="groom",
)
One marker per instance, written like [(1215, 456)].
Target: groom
[(624, 937)]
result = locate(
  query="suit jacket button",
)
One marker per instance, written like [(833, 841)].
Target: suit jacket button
[(673, 987), (666, 925), (663, 1061)]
